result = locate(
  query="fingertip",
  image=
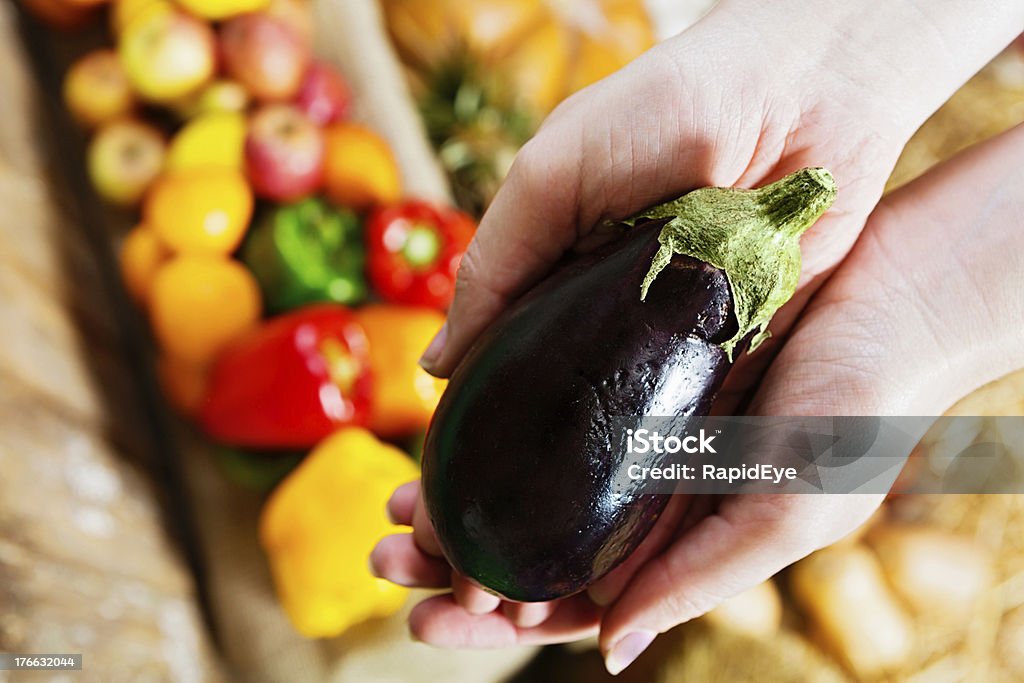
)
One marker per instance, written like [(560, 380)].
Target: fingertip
[(479, 298), (397, 559), (420, 622), (459, 331), (382, 559), (472, 598), (441, 622), (402, 504), (429, 360), (423, 530), (626, 650), (527, 614)]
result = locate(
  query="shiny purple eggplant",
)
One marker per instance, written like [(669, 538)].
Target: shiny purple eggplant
[(519, 465)]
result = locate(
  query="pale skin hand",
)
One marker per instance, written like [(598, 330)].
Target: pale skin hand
[(926, 308), (750, 93), (651, 132)]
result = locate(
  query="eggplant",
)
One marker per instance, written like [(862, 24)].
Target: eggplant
[(519, 463)]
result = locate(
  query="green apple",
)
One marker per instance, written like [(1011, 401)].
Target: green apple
[(124, 159)]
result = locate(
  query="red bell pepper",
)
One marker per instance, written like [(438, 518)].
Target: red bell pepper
[(291, 382), (414, 252)]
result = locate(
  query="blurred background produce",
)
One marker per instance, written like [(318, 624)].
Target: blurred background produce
[(214, 120), (267, 186), (486, 72)]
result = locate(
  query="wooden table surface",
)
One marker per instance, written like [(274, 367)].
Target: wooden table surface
[(87, 563)]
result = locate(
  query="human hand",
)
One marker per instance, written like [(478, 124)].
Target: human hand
[(652, 131), (926, 308), (750, 93)]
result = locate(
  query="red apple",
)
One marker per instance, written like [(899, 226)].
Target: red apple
[(324, 96), (264, 55), (124, 159), (284, 153)]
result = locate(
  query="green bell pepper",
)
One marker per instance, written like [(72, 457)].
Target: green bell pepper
[(307, 252), (258, 471)]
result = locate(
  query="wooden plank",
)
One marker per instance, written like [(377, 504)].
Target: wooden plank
[(86, 563)]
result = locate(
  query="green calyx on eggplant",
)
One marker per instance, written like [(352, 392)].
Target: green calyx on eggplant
[(518, 469)]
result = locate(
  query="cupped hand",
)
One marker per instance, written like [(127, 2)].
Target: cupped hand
[(926, 308), (740, 99), (750, 93)]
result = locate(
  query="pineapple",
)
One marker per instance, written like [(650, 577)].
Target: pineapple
[(489, 70), (476, 125)]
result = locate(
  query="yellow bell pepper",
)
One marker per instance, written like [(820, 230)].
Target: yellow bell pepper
[(404, 395), (319, 526)]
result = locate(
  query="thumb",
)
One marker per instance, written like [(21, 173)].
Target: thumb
[(593, 158), (519, 239)]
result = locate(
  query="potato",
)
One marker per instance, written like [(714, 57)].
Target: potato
[(845, 595), (1011, 642), (933, 571), (756, 612)]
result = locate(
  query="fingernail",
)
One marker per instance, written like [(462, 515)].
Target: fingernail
[(434, 349), (625, 652)]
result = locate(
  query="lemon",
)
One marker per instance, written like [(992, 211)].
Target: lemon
[(216, 10), (215, 139)]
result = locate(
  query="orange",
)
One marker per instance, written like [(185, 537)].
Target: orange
[(539, 67), (404, 395), (607, 47), (142, 254), (359, 170), (198, 304), (200, 210), (183, 383)]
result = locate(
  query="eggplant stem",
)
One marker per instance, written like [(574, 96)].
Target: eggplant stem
[(752, 235)]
